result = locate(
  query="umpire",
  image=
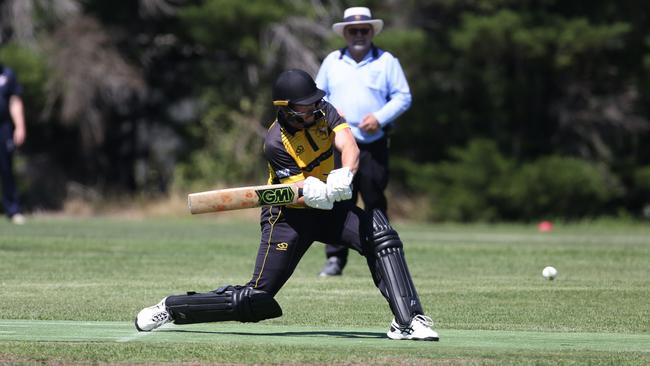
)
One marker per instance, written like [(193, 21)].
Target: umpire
[(299, 148), (367, 86)]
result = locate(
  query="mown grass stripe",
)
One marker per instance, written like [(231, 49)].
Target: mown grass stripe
[(235, 333)]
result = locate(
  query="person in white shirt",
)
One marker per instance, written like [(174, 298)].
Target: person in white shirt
[(368, 88)]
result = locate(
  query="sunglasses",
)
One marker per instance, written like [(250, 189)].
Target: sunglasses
[(355, 31), (299, 117), (315, 108)]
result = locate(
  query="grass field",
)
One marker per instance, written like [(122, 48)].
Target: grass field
[(70, 289)]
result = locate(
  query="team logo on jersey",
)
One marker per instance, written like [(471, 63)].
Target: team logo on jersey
[(300, 149), (282, 247), (275, 196), (322, 133), (283, 173)]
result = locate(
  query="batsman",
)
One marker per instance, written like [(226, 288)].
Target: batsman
[(299, 148)]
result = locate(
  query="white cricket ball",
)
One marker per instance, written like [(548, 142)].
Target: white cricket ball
[(549, 273)]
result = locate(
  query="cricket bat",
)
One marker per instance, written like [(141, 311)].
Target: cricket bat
[(243, 197)]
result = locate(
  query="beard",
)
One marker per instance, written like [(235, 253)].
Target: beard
[(359, 47)]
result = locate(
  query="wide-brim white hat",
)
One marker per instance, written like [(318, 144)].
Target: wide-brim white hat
[(358, 15)]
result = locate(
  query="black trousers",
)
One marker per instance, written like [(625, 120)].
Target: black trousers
[(9, 193), (370, 182), (288, 233)]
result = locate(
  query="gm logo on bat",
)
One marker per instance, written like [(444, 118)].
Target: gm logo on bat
[(275, 196)]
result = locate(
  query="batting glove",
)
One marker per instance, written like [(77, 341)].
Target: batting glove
[(315, 193), (339, 184)]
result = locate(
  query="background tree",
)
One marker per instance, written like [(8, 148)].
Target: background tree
[(515, 102)]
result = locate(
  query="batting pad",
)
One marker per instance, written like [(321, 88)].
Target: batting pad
[(389, 254), (239, 303)]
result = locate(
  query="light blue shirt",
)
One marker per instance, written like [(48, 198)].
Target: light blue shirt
[(374, 85)]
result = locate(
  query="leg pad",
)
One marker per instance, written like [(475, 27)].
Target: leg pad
[(239, 303), (389, 254)]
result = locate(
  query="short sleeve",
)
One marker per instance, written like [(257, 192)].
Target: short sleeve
[(334, 120), (13, 86)]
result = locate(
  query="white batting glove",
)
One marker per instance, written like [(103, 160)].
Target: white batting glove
[(339, 184), (315, 193)]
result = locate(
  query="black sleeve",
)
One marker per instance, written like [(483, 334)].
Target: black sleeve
[(333, 117), (13, 86)]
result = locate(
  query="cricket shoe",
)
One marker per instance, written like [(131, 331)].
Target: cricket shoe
[(18, 219), (418, 330), (333, 267), (153, 317)]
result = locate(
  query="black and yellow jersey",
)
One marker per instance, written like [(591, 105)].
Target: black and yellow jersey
[(295, 154)]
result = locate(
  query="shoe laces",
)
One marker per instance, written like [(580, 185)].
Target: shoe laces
[(423, 319), (160, 316)]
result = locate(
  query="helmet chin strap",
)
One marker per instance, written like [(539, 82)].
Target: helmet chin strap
[(295, 123)]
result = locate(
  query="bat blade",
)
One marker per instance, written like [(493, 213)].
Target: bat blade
[(243, 197)]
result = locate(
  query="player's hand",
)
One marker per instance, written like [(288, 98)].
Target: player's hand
[(315, 193), (339, 184)]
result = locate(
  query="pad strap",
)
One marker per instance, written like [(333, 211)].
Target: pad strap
[(240, 303)]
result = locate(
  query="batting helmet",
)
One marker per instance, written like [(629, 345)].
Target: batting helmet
[(295, 87)]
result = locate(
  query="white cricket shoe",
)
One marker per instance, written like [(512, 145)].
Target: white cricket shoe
[(152, 317), (419, 330), (18, 219)]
